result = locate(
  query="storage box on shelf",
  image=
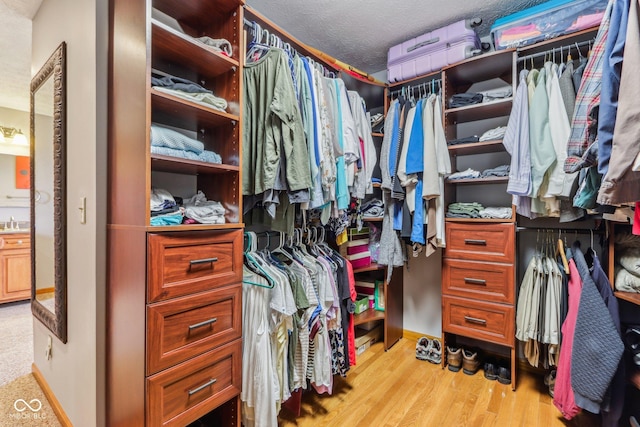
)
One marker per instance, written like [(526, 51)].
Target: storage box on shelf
[(174, 292)]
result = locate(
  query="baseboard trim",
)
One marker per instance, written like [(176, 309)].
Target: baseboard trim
[(53, 401), (415, 336)]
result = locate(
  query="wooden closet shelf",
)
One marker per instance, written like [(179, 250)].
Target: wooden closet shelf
[(371, 267), (485, 110), (163, 163), (198, 14), (473, 220), (476, 148), (194, 227), (373, 219), (367, 316), (181, 113), (481, 68), (489, 180), (631, 297), (169, 45)]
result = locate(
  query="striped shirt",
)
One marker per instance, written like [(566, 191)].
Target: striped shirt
[(577, 147)]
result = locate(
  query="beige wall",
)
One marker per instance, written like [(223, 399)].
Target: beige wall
[(76, 371)]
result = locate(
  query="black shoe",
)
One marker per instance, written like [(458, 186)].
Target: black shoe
[(490, 371), (504, 375)]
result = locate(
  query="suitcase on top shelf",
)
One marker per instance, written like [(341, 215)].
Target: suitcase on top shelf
[(433, 50)]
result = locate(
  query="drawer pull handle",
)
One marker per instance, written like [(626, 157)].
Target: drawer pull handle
[(475, 242), (211, 382), (475, 320), (201, 324), (202, 261), (475, 281)]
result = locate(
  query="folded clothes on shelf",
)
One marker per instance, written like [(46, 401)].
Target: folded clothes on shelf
[(161, 199), (493, 134), (464, 99), (495, 94), (496, 212), (497, 171), (201, 98), (467, 140), (169, 138), (464, 210), (204, 211), (465, 174), (168, 81), (219, 45), (373, 208)]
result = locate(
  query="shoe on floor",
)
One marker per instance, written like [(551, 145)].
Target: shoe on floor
[(504, 375), (435, 353), (550, 381), (454, 358), (470, 362), (423, 347), (490, 371)]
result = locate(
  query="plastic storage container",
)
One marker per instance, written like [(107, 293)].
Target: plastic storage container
[(546, 21)]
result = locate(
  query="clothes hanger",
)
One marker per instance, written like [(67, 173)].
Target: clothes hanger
[(261, 272), (560, 250)]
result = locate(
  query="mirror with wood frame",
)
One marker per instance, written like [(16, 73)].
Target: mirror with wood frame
[(48, 194)]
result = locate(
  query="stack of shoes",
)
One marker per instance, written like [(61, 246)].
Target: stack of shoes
[(494, 372), (429, 350)]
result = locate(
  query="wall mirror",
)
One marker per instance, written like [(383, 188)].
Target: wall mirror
[(48, 194)]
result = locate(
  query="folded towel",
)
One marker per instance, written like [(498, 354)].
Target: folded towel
[(169, 138)]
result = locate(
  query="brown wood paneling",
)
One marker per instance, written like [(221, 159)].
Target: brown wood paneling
[(185, 263), (394, 307), (129, 114), (480, 242), (187, 326), (476, 319), (480, 280), (126, 327), (185, 392)]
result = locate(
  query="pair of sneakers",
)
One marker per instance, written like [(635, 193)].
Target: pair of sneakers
[(467, 359), (429, 350)]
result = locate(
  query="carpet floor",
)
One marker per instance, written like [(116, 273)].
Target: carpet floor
[(22, 403), (16, 340)]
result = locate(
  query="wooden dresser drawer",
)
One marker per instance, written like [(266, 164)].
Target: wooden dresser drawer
[(15, 241), (185, 327), (186, 263), (182, 394), (477, 319), (479, 280), (480, 242)]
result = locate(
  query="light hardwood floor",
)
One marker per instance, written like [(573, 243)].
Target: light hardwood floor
[(395, 389)]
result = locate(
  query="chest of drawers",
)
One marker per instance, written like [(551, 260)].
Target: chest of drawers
[(478, 285)]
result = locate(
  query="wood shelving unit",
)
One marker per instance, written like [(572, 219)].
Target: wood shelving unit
[(473, 181), (368, 316), (480, 147), (485, 110)]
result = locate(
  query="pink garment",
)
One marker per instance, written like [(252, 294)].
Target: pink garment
[(636, 220), (586, 21), (563, 396), (351, 333)]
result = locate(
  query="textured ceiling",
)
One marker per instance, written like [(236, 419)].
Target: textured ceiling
[(15, 52), (359, 32)]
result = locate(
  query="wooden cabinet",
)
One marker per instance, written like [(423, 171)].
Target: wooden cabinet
[(15, 267), (174, 342)]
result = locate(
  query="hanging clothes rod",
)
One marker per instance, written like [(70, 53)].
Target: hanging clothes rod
[(568, 48), (562, 230), (427, 87)]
